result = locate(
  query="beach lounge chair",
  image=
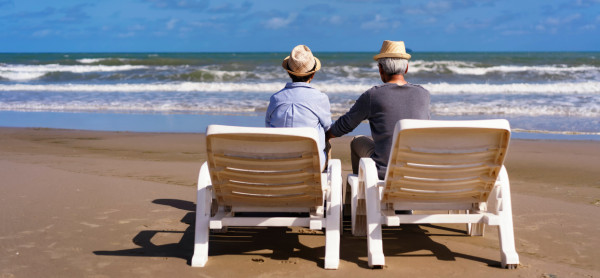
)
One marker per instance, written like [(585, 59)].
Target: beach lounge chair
[(257, 171), (454, 166)]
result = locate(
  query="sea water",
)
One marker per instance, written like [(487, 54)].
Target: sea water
[(543, 95)]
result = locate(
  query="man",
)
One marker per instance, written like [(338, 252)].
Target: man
[(383, 105), (299, 104)]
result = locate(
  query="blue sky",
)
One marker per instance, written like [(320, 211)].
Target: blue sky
[(277, 25)]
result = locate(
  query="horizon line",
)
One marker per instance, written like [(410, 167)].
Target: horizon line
[(328, 51)]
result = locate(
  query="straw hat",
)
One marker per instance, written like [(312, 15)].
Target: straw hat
[(301, 62), (392, 49)]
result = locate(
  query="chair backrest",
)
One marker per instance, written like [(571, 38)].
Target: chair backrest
[(445, 161), (265, 167)]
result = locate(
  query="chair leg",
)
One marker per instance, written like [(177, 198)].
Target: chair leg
[(203, 210), (476, 229), (357, 206), (332, 230), (373, 209), (509, 256), (360, 218)]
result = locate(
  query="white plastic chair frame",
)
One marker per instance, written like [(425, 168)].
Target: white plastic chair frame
[(267, 170), (438, 165)]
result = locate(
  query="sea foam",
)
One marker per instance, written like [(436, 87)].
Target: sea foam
[(27, 72), (589, 87), (472, 68)]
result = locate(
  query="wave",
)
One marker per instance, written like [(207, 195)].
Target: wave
[(473, 68), (206, 104), (210, 73), (211, 106), (508, 108), (179, 70), (29, 72), (91, 60), (555, 132), (517, 69), (163, 87), (589, 87), (103, 60)]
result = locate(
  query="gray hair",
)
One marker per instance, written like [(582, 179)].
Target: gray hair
[(393, 66)]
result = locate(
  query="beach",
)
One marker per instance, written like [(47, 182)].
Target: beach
[(79, 203), (105, 107)]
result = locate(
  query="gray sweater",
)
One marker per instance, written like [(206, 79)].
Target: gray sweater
[(384, 105)]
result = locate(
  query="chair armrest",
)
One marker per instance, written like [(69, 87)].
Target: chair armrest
[(352, 179), (204, 176), (367, 170), (334, 172)]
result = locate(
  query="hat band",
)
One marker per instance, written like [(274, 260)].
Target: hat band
[(313, 68)]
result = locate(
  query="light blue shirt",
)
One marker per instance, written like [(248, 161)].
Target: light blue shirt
[(300, 105)]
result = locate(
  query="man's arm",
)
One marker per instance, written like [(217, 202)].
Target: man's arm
[(349, 121)]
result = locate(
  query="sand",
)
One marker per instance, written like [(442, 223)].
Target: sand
[(117, 204)]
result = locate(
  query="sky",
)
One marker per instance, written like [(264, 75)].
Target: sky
[(278, 25)]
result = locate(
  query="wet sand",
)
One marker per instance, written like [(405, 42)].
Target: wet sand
[(114, 204)]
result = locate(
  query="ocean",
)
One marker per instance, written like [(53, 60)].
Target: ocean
[(543, 95)]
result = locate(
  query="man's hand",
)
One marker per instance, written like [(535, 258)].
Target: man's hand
[(328, 136)]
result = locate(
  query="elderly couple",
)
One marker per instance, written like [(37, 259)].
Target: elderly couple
[(300, 105)]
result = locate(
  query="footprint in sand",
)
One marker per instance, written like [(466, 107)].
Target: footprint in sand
[(289, 262)]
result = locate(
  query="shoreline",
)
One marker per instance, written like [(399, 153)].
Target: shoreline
[(109, 204), (197, 123)]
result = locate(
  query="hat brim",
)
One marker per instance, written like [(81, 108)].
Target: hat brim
[(317, 67), (392, 55)]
